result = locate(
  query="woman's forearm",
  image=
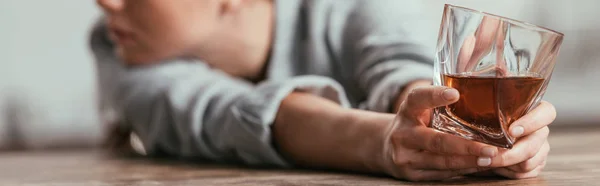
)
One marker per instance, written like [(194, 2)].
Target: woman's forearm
[(315, 132)]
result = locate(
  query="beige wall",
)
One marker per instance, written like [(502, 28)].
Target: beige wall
[(46, 73)]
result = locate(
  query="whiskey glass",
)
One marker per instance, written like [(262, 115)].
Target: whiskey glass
[(500, 66)]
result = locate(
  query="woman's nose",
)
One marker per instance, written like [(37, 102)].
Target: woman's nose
[(111, 5)]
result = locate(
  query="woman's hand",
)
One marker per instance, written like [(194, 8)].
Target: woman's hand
[(528, 156), (416, 152)]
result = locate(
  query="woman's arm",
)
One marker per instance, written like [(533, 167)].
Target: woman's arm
[(316, 132), (186, 110)]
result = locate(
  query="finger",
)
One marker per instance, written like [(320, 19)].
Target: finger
[(530, 164), (433, 161), (485, 37), (424, 98), (431, 140), (466, 51), (538, 118), (487, 32), (523, 150), (519, 175), (429, 175), (501, 68)]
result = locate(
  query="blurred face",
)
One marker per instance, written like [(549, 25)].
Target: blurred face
[(147, 31)]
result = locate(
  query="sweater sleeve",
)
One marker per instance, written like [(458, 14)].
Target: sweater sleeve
[(386, 42), (185, 109)]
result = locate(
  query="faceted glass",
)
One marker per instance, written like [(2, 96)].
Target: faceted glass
[(501, 68)]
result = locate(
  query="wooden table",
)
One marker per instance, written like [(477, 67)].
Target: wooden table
[(574, 160)]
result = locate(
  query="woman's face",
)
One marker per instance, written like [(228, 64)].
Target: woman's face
[(147, 31)]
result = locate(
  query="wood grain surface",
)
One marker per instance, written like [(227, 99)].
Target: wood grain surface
[(574, 160)]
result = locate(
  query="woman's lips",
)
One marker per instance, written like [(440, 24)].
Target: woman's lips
[(123, 38)]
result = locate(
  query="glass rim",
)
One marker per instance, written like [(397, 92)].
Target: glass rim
[(502, 18)]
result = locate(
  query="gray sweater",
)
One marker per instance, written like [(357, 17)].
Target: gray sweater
[(356, 53)]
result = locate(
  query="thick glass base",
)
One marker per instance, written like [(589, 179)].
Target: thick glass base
[(445, 122)]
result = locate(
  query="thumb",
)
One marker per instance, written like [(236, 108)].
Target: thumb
[(425, 98)]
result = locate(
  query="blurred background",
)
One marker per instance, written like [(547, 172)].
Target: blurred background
[(48, 86), (47, 76)]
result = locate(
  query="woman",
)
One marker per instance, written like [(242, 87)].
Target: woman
[(294, 83)]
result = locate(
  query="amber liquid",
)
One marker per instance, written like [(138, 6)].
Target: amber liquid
[(490, 104)]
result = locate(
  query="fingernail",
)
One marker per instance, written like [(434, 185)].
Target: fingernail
[(489, 151), (450, 94), (517, 131), (484, 161)]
